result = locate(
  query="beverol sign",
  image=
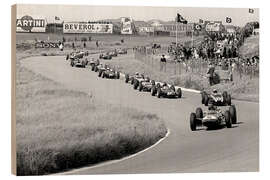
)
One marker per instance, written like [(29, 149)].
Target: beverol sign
[(87, 28), (30, 24)]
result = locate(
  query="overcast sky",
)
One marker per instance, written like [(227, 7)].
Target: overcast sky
[(85, 13)]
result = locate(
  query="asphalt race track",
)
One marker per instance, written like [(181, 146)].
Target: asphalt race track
[(221, 150)]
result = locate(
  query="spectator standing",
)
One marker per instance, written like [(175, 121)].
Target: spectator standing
[(163, 63)]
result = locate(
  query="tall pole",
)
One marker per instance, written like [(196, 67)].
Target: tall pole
[(192, 38), (176, 33)]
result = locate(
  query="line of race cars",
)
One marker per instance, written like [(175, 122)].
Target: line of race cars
[(212, 117)]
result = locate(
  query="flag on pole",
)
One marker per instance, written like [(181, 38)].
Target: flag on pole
[(228, 20), (200, 21), (197, 27), (180, 19), (251, 11)]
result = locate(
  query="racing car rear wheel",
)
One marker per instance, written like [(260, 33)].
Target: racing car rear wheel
[(67, 57), (93, 67), (179, 92), (206, 99), (99, 73), (126, 78), (228, 100), (193, 124), (203, 97), (158, 92), (140, 86), (225, 95), (131, 80), (228, 119), (233, 114), (83, 64), (199, 113), (72, 63), (153, 90), (117, 75), (103, 74), (96, 69), (136, 84), (153, 82)]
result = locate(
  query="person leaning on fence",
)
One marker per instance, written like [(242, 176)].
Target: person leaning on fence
[(163, 63)]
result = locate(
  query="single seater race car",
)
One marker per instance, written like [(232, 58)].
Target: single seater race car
[(106, 72), (122, 51), (166, 91), (76, 55), (218, 98), (213, 117), (93, 63), (144, 84), (113, 53), (105, 56), (133, 78), (77, 62)]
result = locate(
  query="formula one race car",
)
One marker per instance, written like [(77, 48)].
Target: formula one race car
[(122, 51), (133, 78), (218, 98), (213, 117), (108, 73), (166, 91), (76, 55), (105, 56), (144, 84), (93, 63), (78, 62), (113, 53)]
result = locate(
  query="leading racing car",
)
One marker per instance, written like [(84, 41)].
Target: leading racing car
[(218, 98), (166, 91), (133, 78), (213, 117)]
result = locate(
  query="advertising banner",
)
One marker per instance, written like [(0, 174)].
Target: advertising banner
[(77, 27), (29, 24), (126, 25), (213, 26)]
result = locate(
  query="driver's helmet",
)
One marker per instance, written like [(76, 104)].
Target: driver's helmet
[(214, 91), (164, 84), (147, 79), (137, 74), (211, 105)]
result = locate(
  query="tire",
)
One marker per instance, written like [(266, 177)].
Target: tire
[(72, 63), (179, 92), (140, 86), (225, 95), (67, 57), (96, 68), (233, 114), (93, 67), (203, 97), (229, 100), (158, 92), (126, 78), (117, 75), (153, 90), (99, 73), (199, 113), (132, 80), (206, 99), (193, 124), (228, 119), (103, 74), (153, 82), (136, 84)]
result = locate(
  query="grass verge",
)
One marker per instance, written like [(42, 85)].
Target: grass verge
[(58, 129)]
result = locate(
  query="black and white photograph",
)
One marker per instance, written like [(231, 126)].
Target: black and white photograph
[(134, 89)]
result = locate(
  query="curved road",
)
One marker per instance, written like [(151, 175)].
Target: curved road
[(222, 150)]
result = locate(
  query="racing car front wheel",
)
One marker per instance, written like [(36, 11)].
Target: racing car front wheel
[(193, 124), (153, 91), (228, 119), (117, 75), (179, 92), (158, 92), (140, 86), (99, 73), (233, 114), (136, 84), (126, 78)]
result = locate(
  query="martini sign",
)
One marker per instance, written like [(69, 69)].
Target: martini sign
[(30, 24)]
